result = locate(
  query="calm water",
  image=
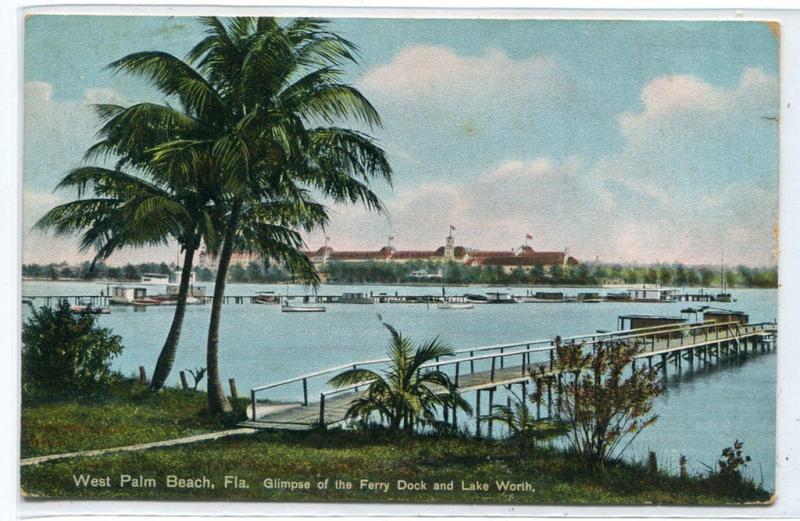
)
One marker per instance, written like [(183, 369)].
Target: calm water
[(701, 413)]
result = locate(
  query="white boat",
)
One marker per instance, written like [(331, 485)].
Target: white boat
[(455, 305), (286, 308), (88, 309), (266, 297)]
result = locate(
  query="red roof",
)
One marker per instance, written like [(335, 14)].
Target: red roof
[(545, 258), (413, 254)]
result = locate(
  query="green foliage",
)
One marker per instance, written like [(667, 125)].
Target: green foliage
[(605, 404), (733, 461), (65, 354), (580, 275), (408, 393), (523, 427)]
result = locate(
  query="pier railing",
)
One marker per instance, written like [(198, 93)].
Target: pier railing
[(539, 351)]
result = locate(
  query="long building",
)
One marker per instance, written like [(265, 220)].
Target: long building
[(523, 257)]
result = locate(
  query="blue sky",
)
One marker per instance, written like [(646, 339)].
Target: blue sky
[(627, 141)]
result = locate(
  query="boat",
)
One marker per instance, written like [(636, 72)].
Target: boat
[(126, 295), (496, 297), (88, 309), (589, 297), (475, 298), (723, 295), (455, 305), (164, 300), (288, 308), (618, 297), (350, 297), (543, 296), (266, 297)]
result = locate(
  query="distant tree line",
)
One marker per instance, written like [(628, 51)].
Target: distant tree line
[(85, 271), (452, 273), (582, 274), (253, 272)]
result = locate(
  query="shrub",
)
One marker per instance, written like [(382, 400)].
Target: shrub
[(64, 354), (605, 405)]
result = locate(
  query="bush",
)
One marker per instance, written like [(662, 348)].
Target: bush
[(64, 354)]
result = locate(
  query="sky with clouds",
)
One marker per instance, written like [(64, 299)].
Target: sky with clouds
[(624, 141)]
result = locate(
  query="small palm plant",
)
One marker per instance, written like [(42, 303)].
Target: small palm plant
[(409, 391), (523, 427)]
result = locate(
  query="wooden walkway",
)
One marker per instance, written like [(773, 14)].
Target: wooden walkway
[(485, 368)]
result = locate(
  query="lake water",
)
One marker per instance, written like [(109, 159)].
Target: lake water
[(701, 413)]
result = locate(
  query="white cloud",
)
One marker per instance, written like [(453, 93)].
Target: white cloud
[(56, 135), (695, 105), (429, 71)]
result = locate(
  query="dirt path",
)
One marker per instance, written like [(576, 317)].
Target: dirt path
[(141, 446)]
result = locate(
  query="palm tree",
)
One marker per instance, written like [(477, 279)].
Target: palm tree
[(145, 207), (523, 427), (409, 392), (275, 94)]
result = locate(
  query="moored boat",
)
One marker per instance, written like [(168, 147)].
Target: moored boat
[(266, 297), (288, 308), (455, 305), (88, 309), (496, 297), (350, 297)]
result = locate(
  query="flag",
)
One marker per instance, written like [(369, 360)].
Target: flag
[(391, 237), (327, 238), (452, 228), (529, 236)]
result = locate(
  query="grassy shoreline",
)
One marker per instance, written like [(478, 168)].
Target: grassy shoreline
[(310, 458), (128, 414)]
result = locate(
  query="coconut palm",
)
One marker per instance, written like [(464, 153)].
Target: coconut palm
[(276, 95), (146, 206), (409, 392)]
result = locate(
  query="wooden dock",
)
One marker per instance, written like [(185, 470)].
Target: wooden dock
[(483, 369), (104, 300)]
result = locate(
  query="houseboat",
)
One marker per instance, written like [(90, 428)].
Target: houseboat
[(351, 297), (123, 295), (496, 297), (650, 294)]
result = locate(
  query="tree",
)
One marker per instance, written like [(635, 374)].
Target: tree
[(274, 83), (409, 391), (65, 354), (605, 404)]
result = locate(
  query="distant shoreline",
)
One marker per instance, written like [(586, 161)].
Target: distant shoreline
[(407, 284)]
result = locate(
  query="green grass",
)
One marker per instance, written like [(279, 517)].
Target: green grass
[(126, 414), (558, 478)]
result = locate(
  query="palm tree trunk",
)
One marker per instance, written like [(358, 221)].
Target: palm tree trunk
[(167, 357), (217, 401)]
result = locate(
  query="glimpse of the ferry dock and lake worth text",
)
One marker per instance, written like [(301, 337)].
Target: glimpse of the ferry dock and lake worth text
[(472, 261)]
